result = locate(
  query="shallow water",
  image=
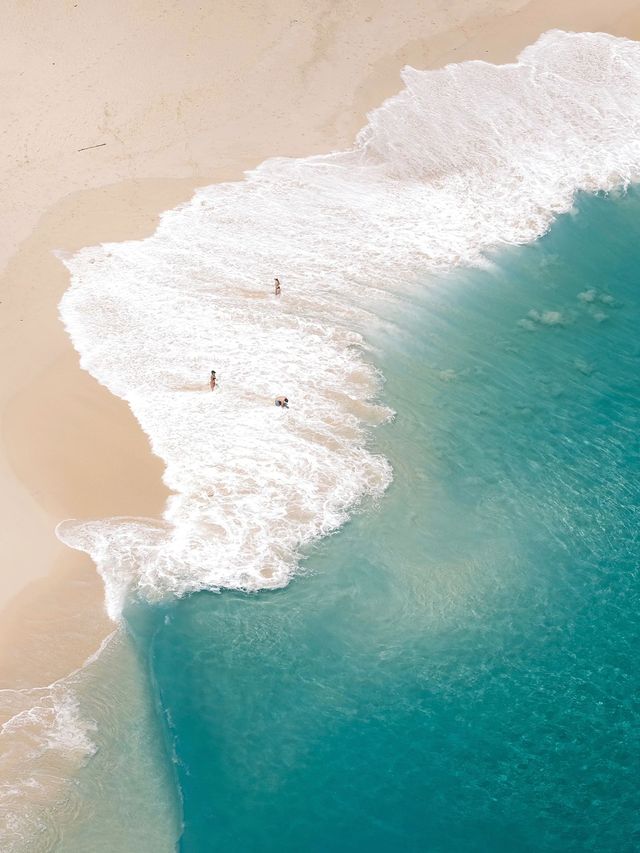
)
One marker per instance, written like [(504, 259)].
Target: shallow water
[(124, 798), (456, 668), (82, 762)]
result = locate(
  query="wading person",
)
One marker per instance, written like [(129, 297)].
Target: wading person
[(212, 381), (277, 286)]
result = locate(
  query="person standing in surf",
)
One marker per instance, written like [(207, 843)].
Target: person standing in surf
[(212, 381), (277, 286)]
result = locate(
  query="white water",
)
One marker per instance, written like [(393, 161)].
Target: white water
[(461, 160)]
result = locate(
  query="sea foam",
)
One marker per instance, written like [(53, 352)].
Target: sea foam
[(463, 159)]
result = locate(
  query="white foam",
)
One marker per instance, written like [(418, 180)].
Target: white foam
[(57, 721), (544, 318), (463, 159)]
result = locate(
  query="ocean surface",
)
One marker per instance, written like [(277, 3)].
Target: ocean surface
[(404, 613), (456, 669)]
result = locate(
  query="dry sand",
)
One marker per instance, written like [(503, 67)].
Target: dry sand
[(173, 96)]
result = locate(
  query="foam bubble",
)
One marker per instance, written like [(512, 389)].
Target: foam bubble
[(584, 366), (463, 159), (529, 325), (589, 295), (544, 318)]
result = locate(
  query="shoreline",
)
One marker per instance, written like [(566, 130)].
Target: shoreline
[(71, 449)]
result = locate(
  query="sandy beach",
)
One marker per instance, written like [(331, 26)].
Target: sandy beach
[(118, 112)]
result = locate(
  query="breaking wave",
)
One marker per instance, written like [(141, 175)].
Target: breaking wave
[(463, 159)]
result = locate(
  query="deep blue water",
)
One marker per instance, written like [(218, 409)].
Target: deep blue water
[(457, 668)]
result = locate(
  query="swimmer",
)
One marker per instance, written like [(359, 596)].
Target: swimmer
[(212, 381), (277, 288), (282, 401)]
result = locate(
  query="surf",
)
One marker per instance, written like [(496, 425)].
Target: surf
[(464, 159)]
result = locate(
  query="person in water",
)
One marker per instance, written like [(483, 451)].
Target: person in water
[(277, 281), (282, 401), (212, 381)]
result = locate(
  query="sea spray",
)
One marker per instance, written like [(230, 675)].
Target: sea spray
[(461, 160)]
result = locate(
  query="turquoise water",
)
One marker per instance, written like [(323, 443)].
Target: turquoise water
[(456, 669)]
